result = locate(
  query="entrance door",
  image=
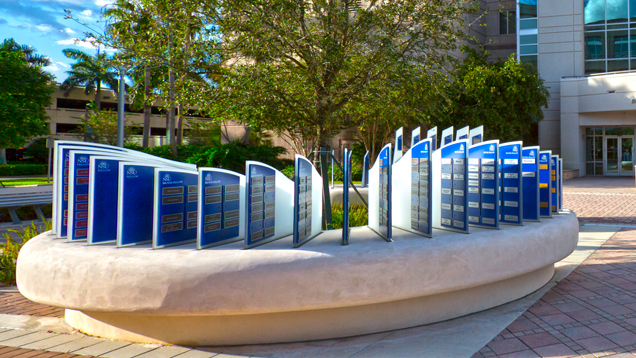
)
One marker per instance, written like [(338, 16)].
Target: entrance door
[(618, 155), (627, 158)]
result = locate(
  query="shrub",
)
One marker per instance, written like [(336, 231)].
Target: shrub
[(37, 151), (289, 171), (358, 216), (356, 174), (8, 170), (233, 156), (11, 249)]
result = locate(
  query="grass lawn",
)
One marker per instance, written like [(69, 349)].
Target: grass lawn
[(25, 181), (340, 182)]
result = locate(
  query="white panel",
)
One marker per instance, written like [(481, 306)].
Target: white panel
[(464, 132), (436, 188), (316, 199), (415, 133), (399, 135), (374, 198), (448, 132), (476, 132), (284, 205), (401, 193)]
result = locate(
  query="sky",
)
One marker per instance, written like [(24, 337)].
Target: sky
[(41, 24)]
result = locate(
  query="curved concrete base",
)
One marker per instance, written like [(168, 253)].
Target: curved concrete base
[(274, 293), (306, 325)]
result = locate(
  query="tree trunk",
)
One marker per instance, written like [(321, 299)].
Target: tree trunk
[(246, 136), (3, 156), (98, 96), (180, 126), (147, 107)]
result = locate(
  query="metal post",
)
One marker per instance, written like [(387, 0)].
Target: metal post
[(324, 152), (332, 170), (120, 107)]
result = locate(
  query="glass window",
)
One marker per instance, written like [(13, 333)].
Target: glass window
[(617, 44), (598, 148), (507, 22), (589, 168), (527, 8), (528, 39), (598, 169), (632, 10), (594, 45), (528, 50), (616, 11), (531, 59), (592, 67), (619, 131), (589, 148), (617, 65), (527, 24), (594, 12), (633, 64)]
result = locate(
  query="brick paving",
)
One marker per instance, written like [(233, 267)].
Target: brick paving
[(15, 303), (13, 352), (590, 313), (602, 208)]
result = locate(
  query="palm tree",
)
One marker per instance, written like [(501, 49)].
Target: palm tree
[(32, 58), (90, 72)]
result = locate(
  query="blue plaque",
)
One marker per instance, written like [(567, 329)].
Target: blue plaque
[(399, 135), (346, 177), (432, 133), (176, 194), (266, 203), (454, 166), (380, 194), (104, 178), (476, 135), (511, 190), (463, 133), (483, 185), (560, 173), (447, 136), (307, 201), (136, 197), (554, 177), (61, 177), (221, 207), (545, 184), (421, 199), (530, 183), (365, 170), (78, 192), (415, 136)]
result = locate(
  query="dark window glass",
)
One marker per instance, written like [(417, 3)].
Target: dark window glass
[(527, 8), (71, 103), (158, 131), (594, 12), (512, 22), (617, 65), (531, 59), (528, 39), (503, 23), (619, 130), (617, 44), (594, 45), (592, 67), (67, 128), (527, 24)]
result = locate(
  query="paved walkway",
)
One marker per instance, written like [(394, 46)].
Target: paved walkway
[(602, 200)]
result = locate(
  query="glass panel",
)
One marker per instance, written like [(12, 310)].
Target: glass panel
[(528, 39), (598, 149), (617, 44), (594, 45), (595, 28), (527, 24), (594, 12), (617, 11), (632, 10), (528, 49), (617, 65), (612, 155), (503, 23), (627, 149), (633, 64), (619, 131), (617, 27), (598, 169), (531, 59), (589, 148), (512, 22), (527, 9), (589, 131), (589, 168), (592, 67)]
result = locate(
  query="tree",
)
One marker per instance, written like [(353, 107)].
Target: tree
[(101, 126), (32, 58), (307, 60), (25, 91), (90, 72), (506, 97)]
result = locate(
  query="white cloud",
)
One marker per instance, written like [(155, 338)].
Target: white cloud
[(87, 12), (62, 64), (77, 42), (43, 28), (104, 2), (52, 67), (69, 31)]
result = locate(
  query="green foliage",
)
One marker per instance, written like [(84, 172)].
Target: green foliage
[(22, 169), (37, 151), (34, 59), (204, 132), (358, 216), (506, 97), (101, 126), (356, 174), (28, 181), (10, 250), (289, 171), (233, 156), (25, 91), (90, 72)]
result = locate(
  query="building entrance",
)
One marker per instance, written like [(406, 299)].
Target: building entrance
[(618, 155)]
